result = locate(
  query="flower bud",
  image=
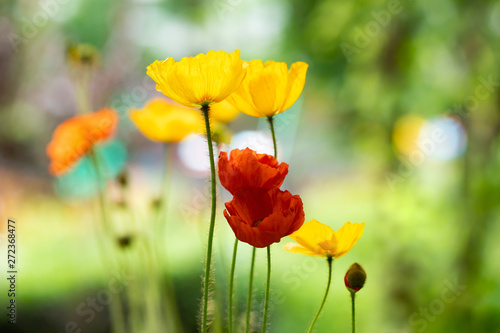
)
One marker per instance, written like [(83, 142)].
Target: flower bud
[(156, 203), (122, 178), (355, 278), (83, 55), (124, 241)]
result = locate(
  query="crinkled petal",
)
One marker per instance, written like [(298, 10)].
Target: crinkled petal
[(251, 235), (203, 79), (267, 88), (347, 237), (160, 72), (295, 84), (311, 234), (246, 168), (296, 248)]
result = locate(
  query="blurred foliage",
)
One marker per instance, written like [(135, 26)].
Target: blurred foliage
[(371, 63)]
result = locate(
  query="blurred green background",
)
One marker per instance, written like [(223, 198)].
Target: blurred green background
[(384, 78)]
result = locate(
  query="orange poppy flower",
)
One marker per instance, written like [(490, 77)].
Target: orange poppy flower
[(76, 137), (245, 168), (261, 217)]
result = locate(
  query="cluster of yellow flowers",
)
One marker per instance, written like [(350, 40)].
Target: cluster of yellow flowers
[(221, 81)]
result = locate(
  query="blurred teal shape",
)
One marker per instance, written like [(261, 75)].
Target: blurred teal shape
[(81, 181)]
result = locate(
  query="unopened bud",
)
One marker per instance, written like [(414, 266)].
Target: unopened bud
[(156, 203), (122, 178), (355, 278), (83, 55), (124, 241)]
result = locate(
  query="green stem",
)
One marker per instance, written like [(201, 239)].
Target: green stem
[(353, 297), (271, 124), (329, 259), (268, 284), (231, 285), (205, 109), (250, 289), (82, 91), (100, 195), (268, 280)]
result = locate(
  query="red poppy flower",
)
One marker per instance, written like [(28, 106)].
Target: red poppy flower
[(76, 137), (245, 168), (261, 217)]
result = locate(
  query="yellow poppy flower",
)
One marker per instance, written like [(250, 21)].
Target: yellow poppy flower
[(162, 121), (270, 88), (223, 112), (319, 240), (201, 80)]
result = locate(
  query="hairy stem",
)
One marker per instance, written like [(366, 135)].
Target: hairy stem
[(231, 286), (268, 284), (271, 125), (250, 289), (206, 285), (353, 303), (329, 259)]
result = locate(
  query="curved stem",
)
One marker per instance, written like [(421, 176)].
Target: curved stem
[(231, 285), (329, 259), (205, 109), (250, 288), (271, 124), (268, 284), (353, 302), (102, 204)]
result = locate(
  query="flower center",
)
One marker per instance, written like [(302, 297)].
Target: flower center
[(256, 223)]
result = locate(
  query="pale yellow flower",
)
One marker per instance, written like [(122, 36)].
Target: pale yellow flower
[(270, 88), (201, 80), (162, 121), (319, 240)]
